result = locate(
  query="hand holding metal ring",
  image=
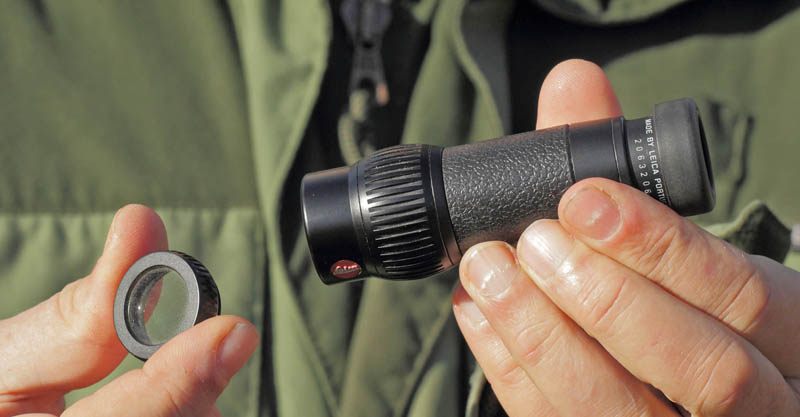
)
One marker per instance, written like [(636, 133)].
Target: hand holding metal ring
[(203, 300)]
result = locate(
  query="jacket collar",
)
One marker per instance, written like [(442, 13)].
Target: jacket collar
[(607, 11)]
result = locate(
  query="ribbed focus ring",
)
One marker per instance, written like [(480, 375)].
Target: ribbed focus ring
[(211, 302), (399, 213)]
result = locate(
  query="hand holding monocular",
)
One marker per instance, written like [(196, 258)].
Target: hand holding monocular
[(411, 211)]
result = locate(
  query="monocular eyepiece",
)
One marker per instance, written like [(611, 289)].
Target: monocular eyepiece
[(410, 211)]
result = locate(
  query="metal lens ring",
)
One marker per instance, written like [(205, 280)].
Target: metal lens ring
[(202, 298)]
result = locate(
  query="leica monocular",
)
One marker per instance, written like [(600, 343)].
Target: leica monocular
[(411, 211)]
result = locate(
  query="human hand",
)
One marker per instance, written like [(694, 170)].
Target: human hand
[(68, 342), (622, 304)]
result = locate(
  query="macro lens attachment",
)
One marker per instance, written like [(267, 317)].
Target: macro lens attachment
[(410, 211), (141, 289)]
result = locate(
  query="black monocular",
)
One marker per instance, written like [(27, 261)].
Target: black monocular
[(411, 211)]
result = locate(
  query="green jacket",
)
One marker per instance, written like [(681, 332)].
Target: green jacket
[(211, 111)]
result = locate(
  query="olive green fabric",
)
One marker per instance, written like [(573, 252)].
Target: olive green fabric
[(211, 111), (756, 231), (109, 102)]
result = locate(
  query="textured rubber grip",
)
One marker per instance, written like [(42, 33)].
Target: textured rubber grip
[(496, 188)]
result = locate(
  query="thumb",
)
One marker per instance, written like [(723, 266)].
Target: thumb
[(576, 91), (68, 341)]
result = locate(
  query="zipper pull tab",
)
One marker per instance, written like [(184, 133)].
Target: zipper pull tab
[(366, 21)]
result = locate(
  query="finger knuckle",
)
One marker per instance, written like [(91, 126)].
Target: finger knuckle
[(653, 248), (508, 374), (743, 311), (173, 393), (662, 247), (537, 342), (727, 380), (604, 302), (68, 312)]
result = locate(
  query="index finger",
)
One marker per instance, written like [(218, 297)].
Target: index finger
[(184, 377), (754, 296)]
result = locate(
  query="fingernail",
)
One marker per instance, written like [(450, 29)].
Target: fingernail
[(492, 268), (543, 247), (470, 311), (236, 347), (112, 236), (593, 213)]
